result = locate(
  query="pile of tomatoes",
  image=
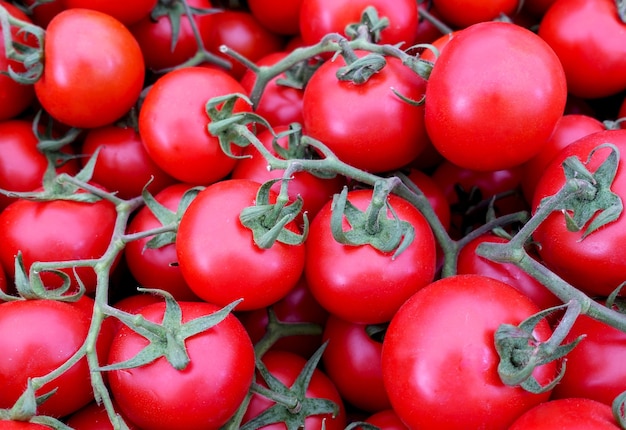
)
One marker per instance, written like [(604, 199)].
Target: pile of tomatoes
[(319, 214)]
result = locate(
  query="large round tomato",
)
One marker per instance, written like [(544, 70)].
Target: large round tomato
[(173, 124), (367, 125), (100, 79), (217, 254), (358, 282), (593, 55), (597, 263), (56, 230), (37, 337), (571, 414), (494, 96), (205, 394), (439, 360)]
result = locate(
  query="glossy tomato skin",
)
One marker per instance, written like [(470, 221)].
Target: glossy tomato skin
[(39, 336), (56, 230), (286, 367), (455, 384), (595, 367), (473, 113), (359, 283), (593, 55), (278, 16), (205, 394), (123, 165), (469, 262), (127, 13), (173, 124), (320, 17), (157, 267), (386, 420), (352, 360), (367, 125), (461, 14), (434, 193), (91, 87), (93, 417), (218, 257), (571, 414), (597, 265), (21, 425), (14, 97)]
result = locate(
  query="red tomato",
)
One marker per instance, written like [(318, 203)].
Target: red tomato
[(568, 129), (320, 17), (92, 417), (14, 97), (44, 334), (571, 414), (33, 227), (298, 306), (315, 191), (102, 78), (286, 366), (595, 368), (469, 262), (359, 283), (155, 36), (123, 165), (537, 7), (173, 124), (593, 55), (386, 420), (42, 13), (127, 13), (278, 16), (218, 257), (21, 425), (133, 304), (279, 104), (434, 193), (241, 32), (367, 125), (352, 360), (597, 265), (439, 360), (205, 394), (427, 32), (473, 113), (461, 13), (156, 267)]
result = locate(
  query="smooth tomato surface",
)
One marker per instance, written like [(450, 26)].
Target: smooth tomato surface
[(571, 414)]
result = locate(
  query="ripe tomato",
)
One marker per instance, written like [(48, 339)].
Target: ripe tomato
[(593, 55), (102, 78), (173, 124), (125, 12), (21, 425), (360, 283), (571, 414), (595, 367), (439, 360), (241, 32), (473, 113), (460, 14), (320, 17), (568, 129), (123, 165), (278, 16), (367, 125), (597, 265), (286, 366), (14, 97), (38, 336), (56, 230), (93, 417), (352, 360), (218, 257), (157, 267), (205, 394), (386, 420), (434, 193)]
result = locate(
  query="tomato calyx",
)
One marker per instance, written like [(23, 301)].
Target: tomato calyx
[(370, 25), (30, 56), (292, 406), (372, 226), (277, 329), (168, 338), (299, 74), (621, 10), (520, 353), (595, 198)]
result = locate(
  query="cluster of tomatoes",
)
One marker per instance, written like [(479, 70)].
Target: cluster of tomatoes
[(271, 214)]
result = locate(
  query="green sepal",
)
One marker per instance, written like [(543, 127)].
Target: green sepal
[(618, 407), (362, 69), (361, 425), (268, 222), (167, 339), (374, 24), (25, 407), (372, 227), (30, 57), (293, 415), (595, 205), (298, 75)]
